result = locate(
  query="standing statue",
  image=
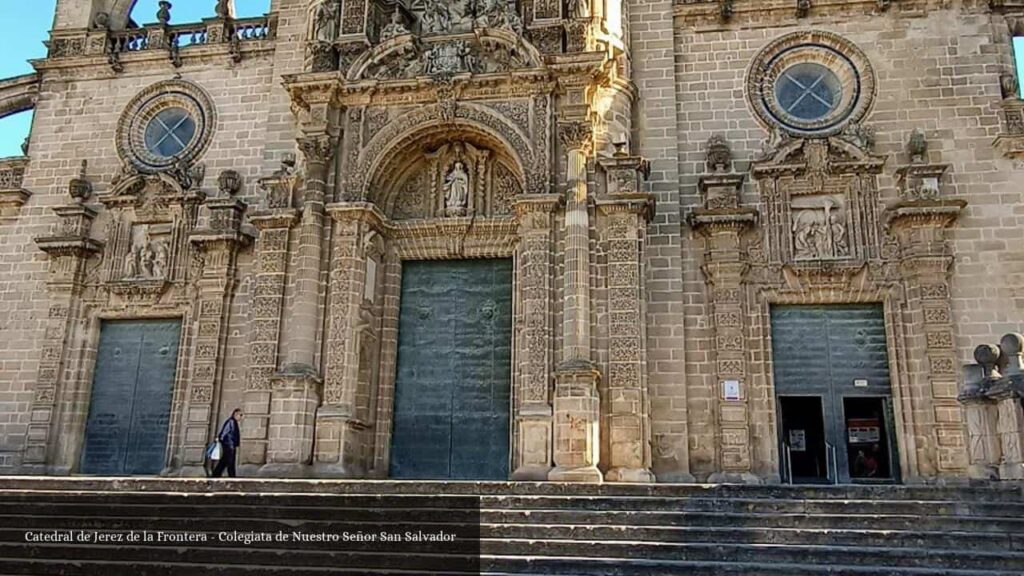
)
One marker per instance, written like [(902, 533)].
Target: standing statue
[(579, 8), (395, 27), (437, 18), (225, 9), (159, 260), (456, 192), (325, 22)]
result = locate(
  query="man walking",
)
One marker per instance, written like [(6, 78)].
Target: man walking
[(230, 437)]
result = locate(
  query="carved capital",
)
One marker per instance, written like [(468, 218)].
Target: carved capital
[(576, 135), (318, 149)]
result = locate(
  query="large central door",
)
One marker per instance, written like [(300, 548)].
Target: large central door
[(451, 418), (130, 406)]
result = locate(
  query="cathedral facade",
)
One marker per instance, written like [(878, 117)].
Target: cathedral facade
[(592, 240)]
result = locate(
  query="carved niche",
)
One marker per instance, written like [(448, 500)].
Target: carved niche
[(151, 217), (455, 179), (820, 199)]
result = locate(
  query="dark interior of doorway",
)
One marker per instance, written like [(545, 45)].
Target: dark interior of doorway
[(867, 443), (803, 437)]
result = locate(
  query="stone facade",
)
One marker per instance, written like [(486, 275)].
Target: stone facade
[(657, 186)]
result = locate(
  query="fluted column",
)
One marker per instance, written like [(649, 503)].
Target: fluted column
[(577, 405)]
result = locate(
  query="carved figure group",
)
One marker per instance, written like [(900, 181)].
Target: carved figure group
[(449, 58), (444, 16), (395, 27), (147, 261), (819, 234)]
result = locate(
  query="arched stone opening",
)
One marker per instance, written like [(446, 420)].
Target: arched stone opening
[(413, 182)]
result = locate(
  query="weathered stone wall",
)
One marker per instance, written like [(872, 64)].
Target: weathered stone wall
[(938, 70), (76, 118)]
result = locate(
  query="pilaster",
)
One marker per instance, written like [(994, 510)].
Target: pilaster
[(68, 248), (342, 423), (535, 214), (722, 223), (919, 222), (274, 223), (626, 211), (218, 246)]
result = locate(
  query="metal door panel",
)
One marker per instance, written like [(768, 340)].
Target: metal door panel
[(824, 350), (454, 356), (151, 408), (110, 405), (129, 409)]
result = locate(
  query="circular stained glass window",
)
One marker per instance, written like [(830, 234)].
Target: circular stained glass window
[(170, 132), (166, 124), (808, 91), (810, 83)]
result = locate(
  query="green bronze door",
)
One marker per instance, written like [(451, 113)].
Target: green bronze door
[(130, 406), (451, 417)]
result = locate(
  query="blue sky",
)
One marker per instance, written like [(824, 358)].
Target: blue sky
[(25, 25)]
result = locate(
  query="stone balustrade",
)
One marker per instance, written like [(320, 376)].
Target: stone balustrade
[(992, 394)]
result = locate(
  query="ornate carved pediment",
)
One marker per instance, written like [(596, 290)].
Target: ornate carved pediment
[(820, 197), (485, 52)]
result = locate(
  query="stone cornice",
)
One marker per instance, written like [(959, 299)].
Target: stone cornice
[(358, 212), (707, 14), (734, 220), (529, 203), (935, 213), (274, 218), (639, 203)]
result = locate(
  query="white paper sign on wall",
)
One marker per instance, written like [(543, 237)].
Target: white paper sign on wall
[(731, 389), (860, 383)]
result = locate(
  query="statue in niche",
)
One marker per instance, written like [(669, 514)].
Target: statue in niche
[(579, 8), (146, 261), (456, 190), (325, 22), (819, 233), (395, 27)]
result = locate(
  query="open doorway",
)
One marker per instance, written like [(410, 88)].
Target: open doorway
[(803, 439), (868, 448)]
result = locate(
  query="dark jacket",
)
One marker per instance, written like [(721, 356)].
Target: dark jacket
[(230, 436)]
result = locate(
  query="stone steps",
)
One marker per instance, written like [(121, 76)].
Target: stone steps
[(529, 528)]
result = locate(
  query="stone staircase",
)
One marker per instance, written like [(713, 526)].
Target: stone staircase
[(524, 528)]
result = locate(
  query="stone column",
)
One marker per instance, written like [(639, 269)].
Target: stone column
[(342, 434), (722, 222), (69, 249), (295, 388), (218, 244), (576, 403), (918, 222), (534, 336)]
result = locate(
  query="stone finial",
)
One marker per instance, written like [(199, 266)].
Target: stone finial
[(80, 189), (1011, 347), (163, 15), (719, 154), (917, 146), (989, 356), (229, 183)]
